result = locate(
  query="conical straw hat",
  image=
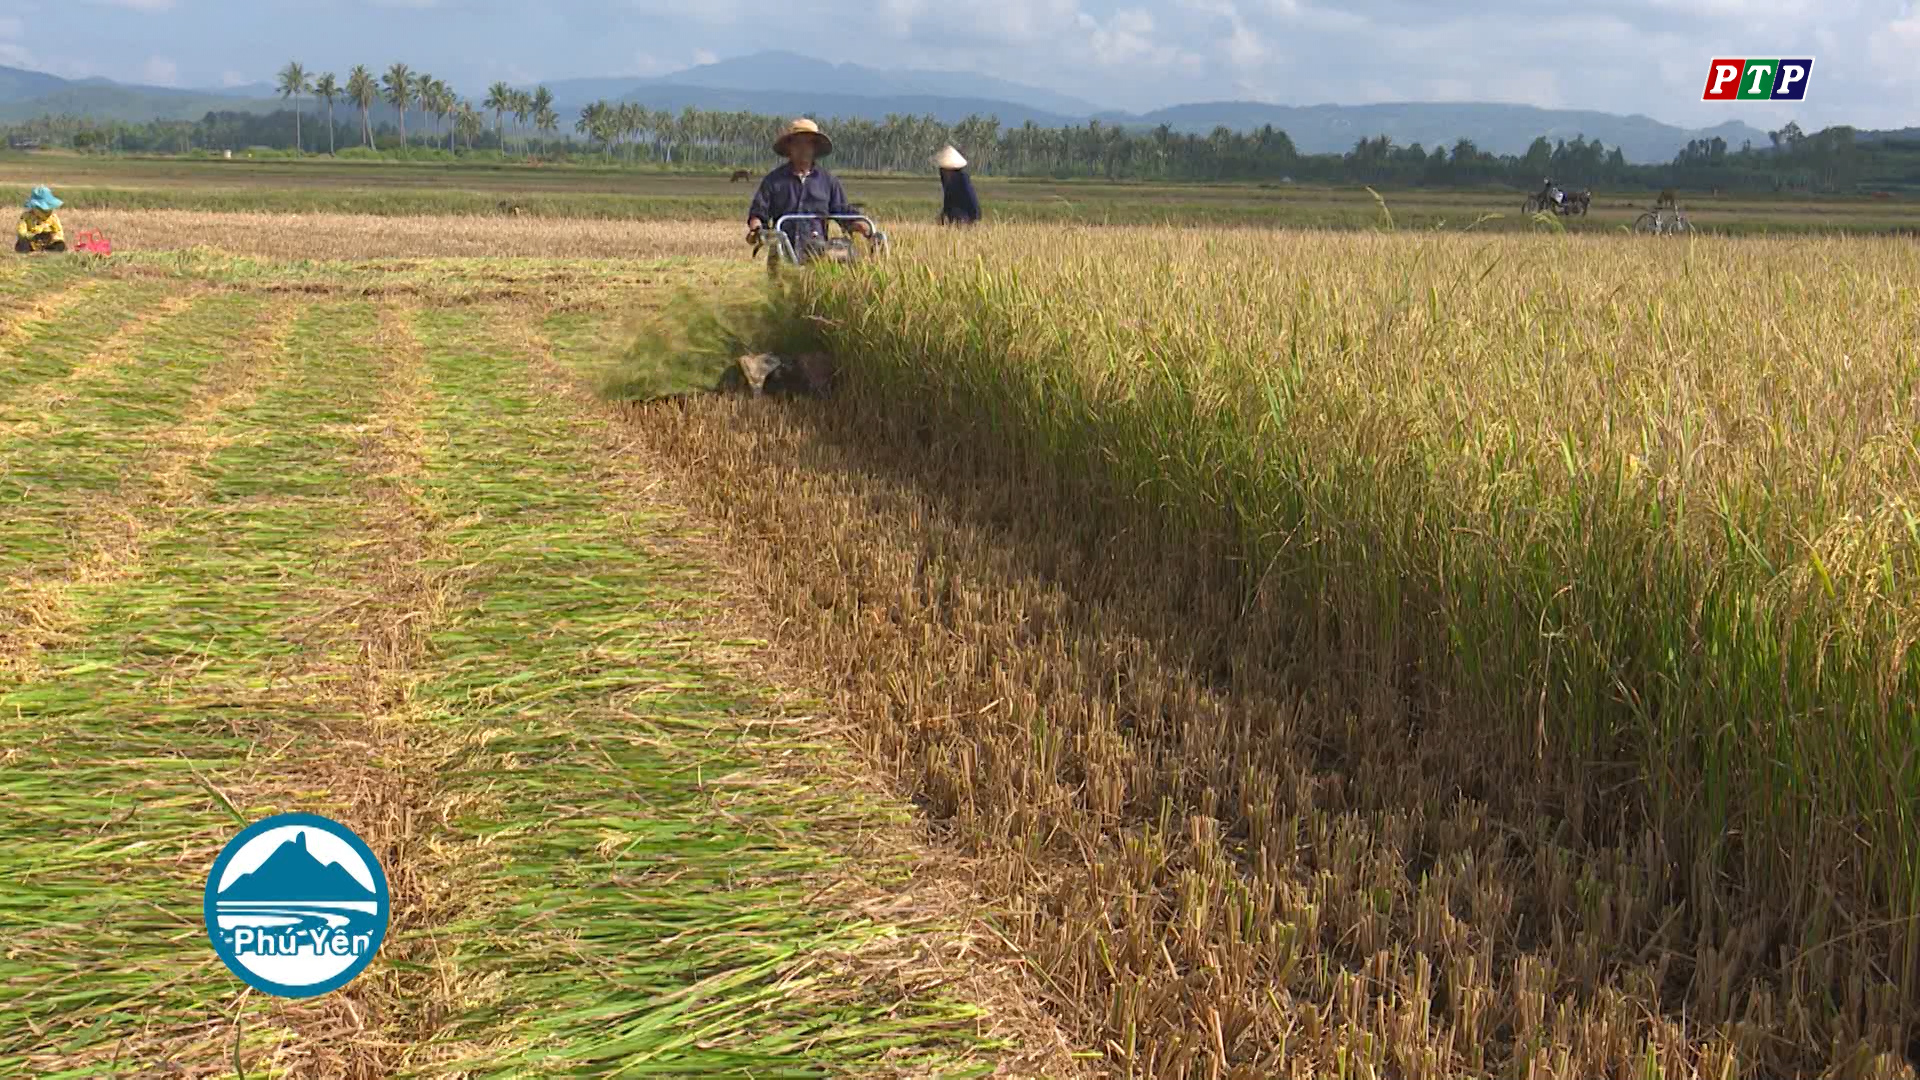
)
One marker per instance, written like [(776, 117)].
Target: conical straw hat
[(949, 158), (803, 126)]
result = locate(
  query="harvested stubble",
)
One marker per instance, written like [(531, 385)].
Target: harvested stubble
[(353, 236), (383, 581), (199, 687), (661, 858), (589, 196), (1441, 655)]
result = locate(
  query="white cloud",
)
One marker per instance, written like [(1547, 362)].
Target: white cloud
[(646, 64), (1129, 39), (1244, 47), (160, 71), (705, 56), (705, 12), (1619, 56), (1894, 50), (231, 78)]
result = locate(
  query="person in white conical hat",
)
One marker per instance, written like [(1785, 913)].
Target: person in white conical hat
[(959, 204), (801, 186)]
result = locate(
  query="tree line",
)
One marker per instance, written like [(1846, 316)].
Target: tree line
[(626, 132), (404, 89)]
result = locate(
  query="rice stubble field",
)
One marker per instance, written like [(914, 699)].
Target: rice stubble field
[(1345, 654), (1530, 686), (345, 552)]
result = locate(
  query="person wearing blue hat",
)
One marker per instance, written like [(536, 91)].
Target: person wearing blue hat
[(40, 226)]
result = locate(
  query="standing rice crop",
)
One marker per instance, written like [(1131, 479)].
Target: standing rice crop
[(1640, 522)]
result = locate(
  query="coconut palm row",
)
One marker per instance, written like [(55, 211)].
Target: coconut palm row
[(405, 90)]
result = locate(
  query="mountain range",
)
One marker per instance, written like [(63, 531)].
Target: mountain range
[(291, 873), (782, 83)]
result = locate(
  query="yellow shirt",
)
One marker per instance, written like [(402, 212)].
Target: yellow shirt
[(41, 226)]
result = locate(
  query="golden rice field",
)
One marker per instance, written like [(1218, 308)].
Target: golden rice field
[(1420, 655), (1201, 653)]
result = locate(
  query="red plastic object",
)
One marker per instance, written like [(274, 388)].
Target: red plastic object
[(92, 242)]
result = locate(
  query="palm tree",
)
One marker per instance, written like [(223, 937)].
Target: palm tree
[(544, 117), (522, 107), (422, 87), (399, 84), (448, 106), (327, 88), (363, 90), (432, 105), (499, 99), (470, 123), (593, 123), (294, 84)]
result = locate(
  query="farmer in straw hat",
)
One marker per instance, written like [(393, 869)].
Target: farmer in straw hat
[(801, 186), (39, 225), (959, 205)]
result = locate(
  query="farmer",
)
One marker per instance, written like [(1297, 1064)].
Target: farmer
[(40, 226), (959, 204), (801, 186)]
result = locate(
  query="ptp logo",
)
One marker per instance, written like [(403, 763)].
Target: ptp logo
[(1758, 80)]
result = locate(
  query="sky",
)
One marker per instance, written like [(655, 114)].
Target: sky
[(1620, 56)]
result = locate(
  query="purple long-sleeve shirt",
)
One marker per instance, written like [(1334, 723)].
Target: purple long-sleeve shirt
[(785, 192)]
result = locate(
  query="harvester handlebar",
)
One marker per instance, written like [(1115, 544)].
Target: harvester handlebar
[(843, 219)]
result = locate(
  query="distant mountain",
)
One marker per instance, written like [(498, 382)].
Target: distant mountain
[(787, 84), (824, 105), (1500, 129), (259, 91), (292, 873), (789, 73), (1903, 135), (25, 95), (17, 84)]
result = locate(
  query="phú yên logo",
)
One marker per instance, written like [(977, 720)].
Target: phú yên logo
[(1758, 80), (296, 905)]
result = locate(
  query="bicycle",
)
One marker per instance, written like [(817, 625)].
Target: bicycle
[(1663, 221)]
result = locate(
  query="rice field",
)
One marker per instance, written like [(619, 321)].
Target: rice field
[(1206, 653), (1415, 655), (274, 545), (577, 200)]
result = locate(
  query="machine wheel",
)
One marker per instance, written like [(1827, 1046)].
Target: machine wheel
[(1646, 223)]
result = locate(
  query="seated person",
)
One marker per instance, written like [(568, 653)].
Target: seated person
[(40, 226), (800, 186)]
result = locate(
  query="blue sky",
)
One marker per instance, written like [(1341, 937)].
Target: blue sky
[(1647, 56)]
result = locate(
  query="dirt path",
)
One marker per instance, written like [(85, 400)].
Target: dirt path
[(372, 565)]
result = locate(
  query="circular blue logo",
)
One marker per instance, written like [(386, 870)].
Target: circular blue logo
[(296, 905)]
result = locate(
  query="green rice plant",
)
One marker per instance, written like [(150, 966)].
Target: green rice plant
[(187, 702), (1642, 514), (689, 343), (636, 894), (72, 328)]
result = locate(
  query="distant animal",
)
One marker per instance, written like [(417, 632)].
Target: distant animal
[(512, 209), (739, 175), (1883, 194)]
